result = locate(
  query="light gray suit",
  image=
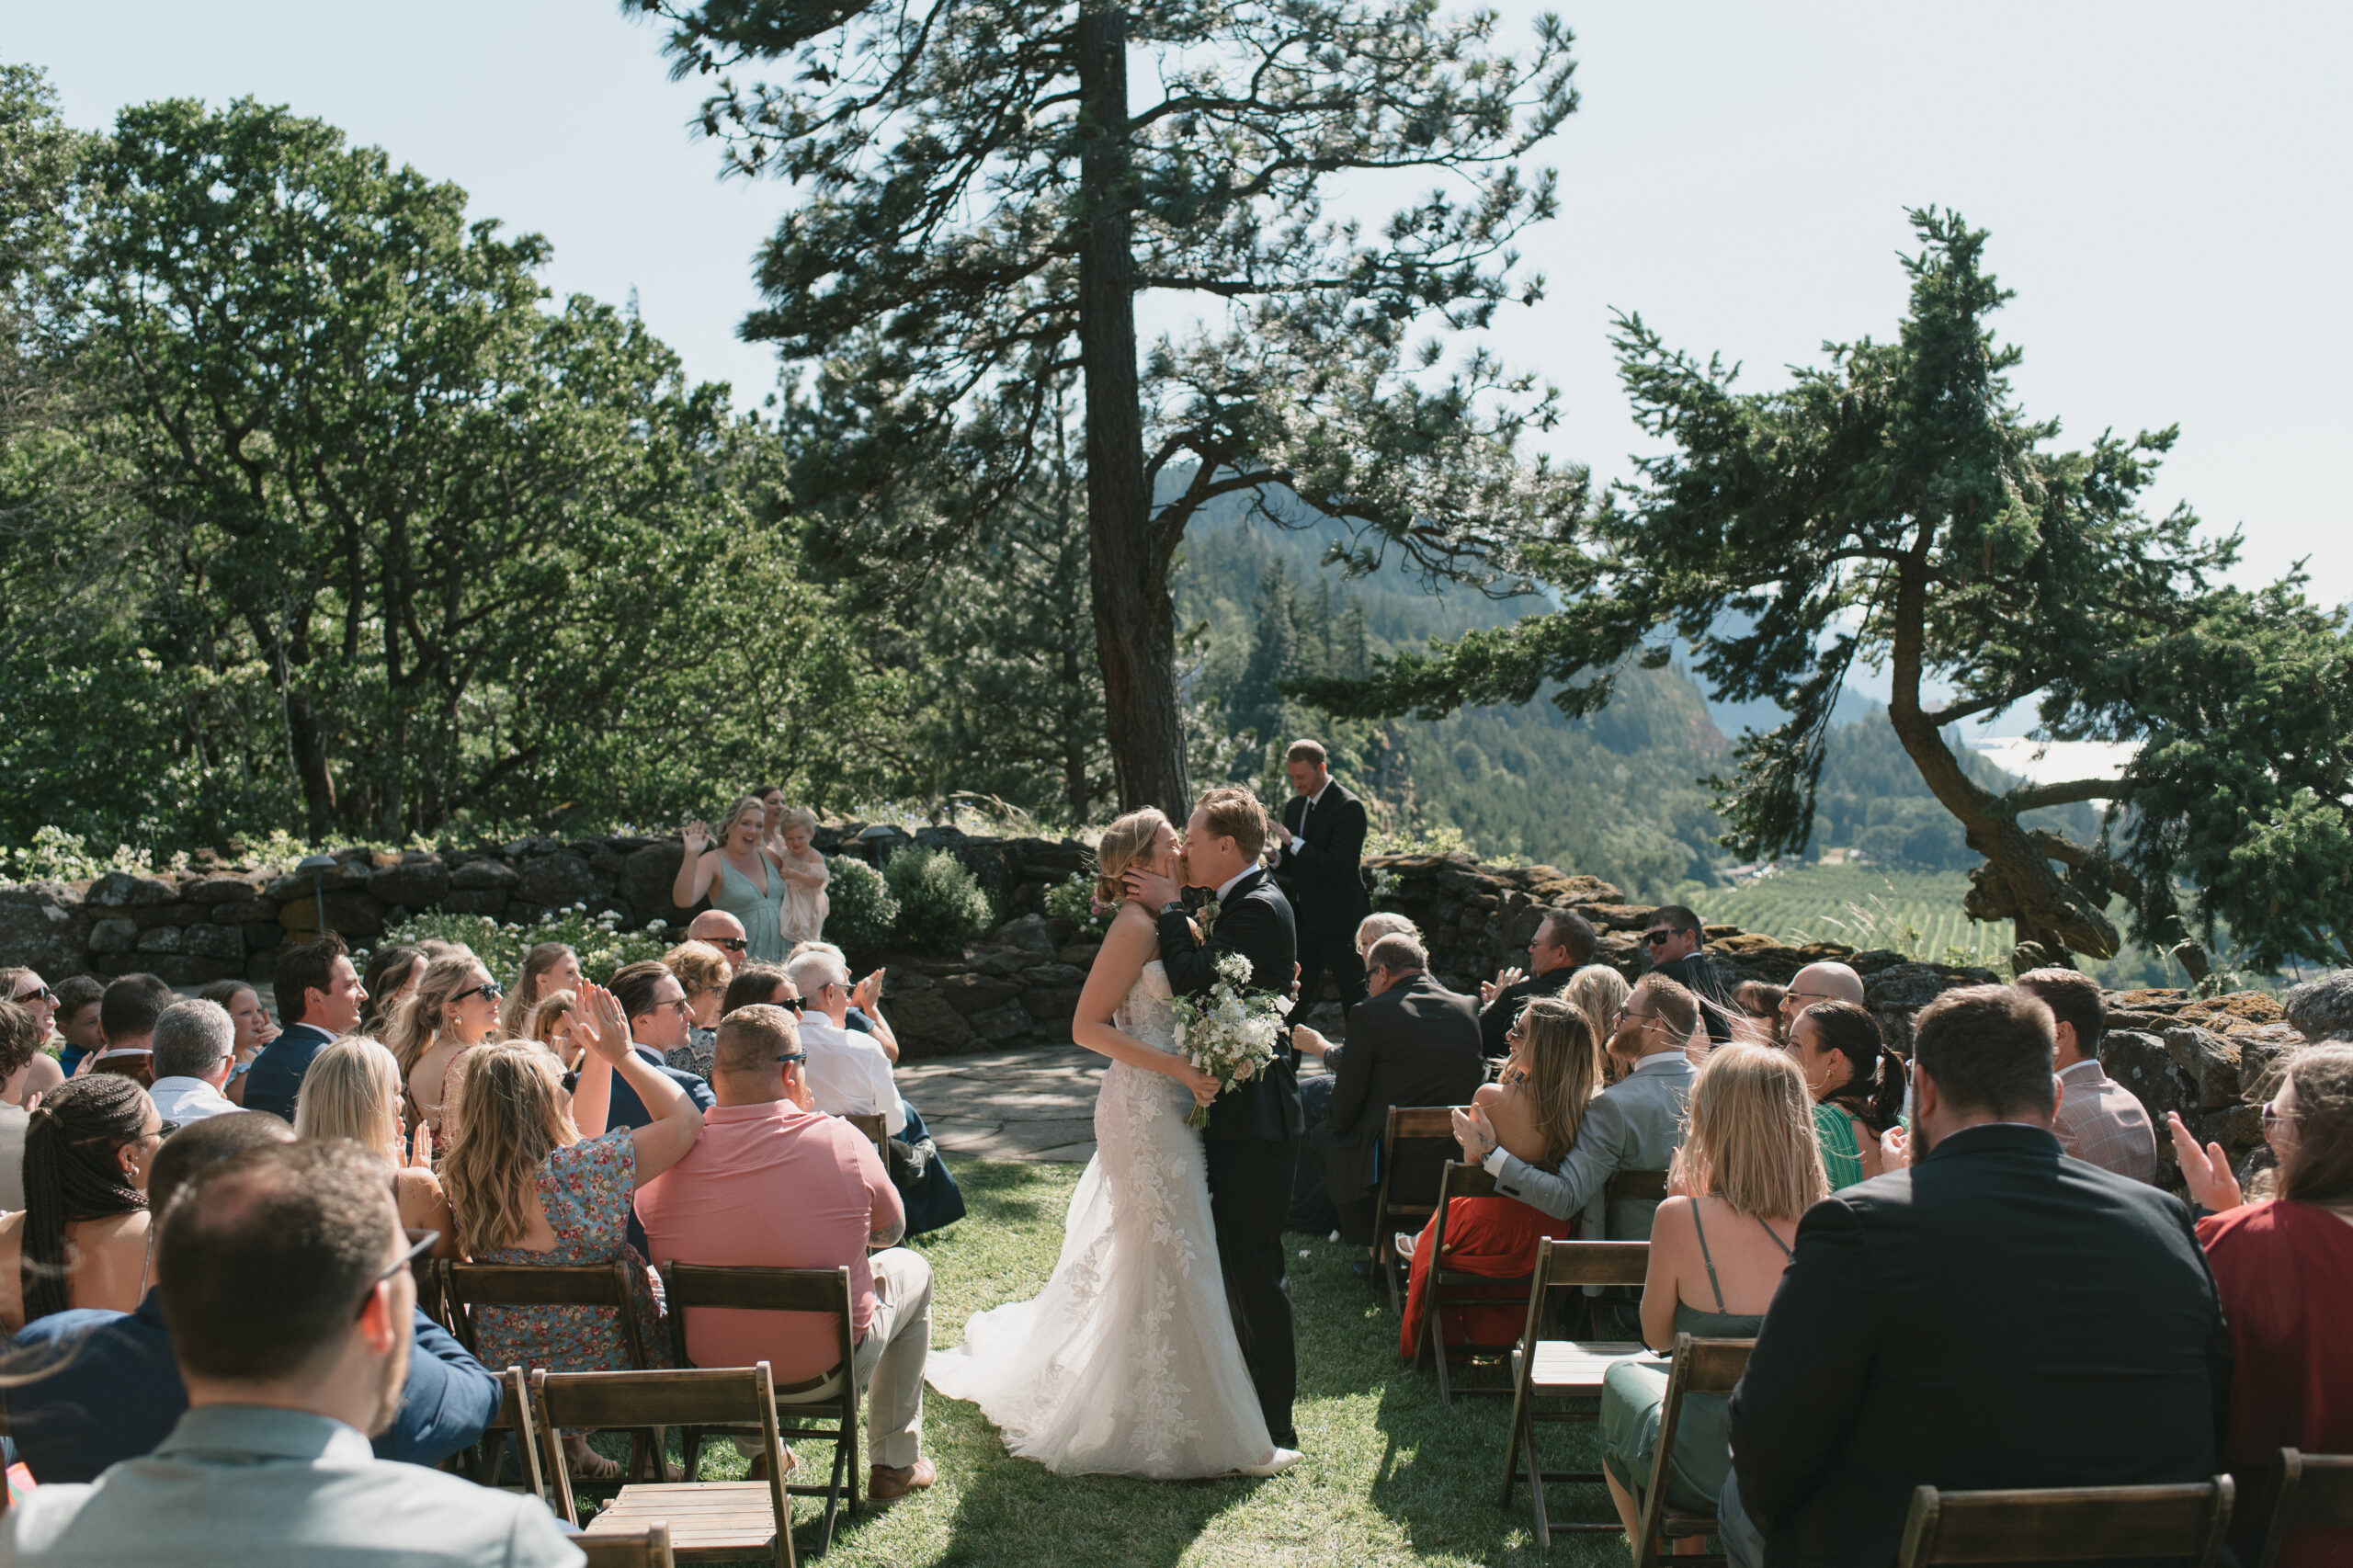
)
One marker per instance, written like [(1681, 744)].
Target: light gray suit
[(253, 1486), (1636, 1124)]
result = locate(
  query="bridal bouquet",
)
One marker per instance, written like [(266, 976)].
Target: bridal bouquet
[(1230, 1032)]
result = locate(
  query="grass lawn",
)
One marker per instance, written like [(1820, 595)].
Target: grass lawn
[(1390, 1476)]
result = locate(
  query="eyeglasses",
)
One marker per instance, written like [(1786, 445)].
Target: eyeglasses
[(795, 1056), (29, 997), (166, 1127), (677, 1001), (793, 1003), (1660, 938), (1628, 1012), (732, 944), (419, 1244), (2274, 1117), (1789, 996), (488, 992)]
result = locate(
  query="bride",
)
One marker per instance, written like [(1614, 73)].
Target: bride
[(1126, 1364)]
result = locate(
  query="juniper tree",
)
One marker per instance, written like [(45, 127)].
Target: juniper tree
[(984, 206), (1895, 509)]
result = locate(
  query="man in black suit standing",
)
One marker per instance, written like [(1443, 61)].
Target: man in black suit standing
[(1994, 1315), (1411, 1042), (1251, 1144), (1321, 868)]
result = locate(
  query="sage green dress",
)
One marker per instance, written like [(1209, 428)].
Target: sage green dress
[(763, 930), (1842, 1157), (1634, 1395)]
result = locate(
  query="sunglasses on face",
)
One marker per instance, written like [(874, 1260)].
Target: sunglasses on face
[(732, 944), (488, 991), (29, 997), (792, 1003), (1660, 938)]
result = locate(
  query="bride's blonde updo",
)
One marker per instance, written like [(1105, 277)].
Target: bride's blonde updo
[(1124, 842)]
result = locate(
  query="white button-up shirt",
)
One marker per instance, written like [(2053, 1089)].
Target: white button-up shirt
[(848, 1074), (188, 1099)]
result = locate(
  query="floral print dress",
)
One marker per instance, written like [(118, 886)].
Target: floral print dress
[(585, 1189)]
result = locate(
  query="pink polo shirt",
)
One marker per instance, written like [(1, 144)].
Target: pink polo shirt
[(771, 1186)]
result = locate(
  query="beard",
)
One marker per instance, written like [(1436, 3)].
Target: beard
[(392, 1382)]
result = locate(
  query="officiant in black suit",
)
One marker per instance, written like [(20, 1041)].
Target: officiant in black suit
[(1321, 866), (1251, 1146)]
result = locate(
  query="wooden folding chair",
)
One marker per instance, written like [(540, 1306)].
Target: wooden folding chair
[(708, 1520), (648, 1548), (1448, 1287), (512, 1422), (1702, 1366), (824, 1406), (876, 1128), (1564, 1368), (1633, 1186), (463, 1287), (1410, 1130), (2067, 1523), (2307, 1492)]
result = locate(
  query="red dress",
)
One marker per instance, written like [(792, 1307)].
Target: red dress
[(2285, 1271), (1493, 1236)]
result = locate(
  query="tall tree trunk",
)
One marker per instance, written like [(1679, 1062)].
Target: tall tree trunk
[(306, 739), (1135, 622)]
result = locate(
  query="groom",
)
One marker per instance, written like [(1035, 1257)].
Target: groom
[(1252, 1141)]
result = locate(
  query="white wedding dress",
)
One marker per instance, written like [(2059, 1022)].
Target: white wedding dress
[(1126, 1364)]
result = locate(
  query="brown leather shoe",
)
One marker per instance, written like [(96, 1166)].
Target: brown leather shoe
[(883, 1483)]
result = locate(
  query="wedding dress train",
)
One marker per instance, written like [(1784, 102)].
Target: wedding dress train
[(1127, 1363)]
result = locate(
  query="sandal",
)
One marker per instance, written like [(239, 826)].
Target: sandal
[(586, 1464)]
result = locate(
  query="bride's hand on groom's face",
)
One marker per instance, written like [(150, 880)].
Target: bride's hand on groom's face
[(1149, 888)]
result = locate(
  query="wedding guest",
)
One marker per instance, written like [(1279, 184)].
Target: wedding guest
[(1748, 1169), (723, 931), (2284, 1268), (1857, 1082), (353, 1090), (1634, 1125), (1918, 1307), (548, 968), (1599, 992), (718, 1207), (1760, 1003), (759, 983), (194, 1045), (533, 1181), (82, 1238), (1818, 982), (254, 1031), (390, 979), (27, 990), (739, 876), (320, 996), (864, 1014), (654, 1003), (1536, 1106), (805, 906), (1561, 945), (1311, 1212), (1411, 1042), (78, 999), (1383, 923), (455, 1009), (703, 971), (127, 1016), (285, 1286), (19, 1048), (549, 1024), (1319, 864), (2099, 1119), (1673, 940), (109, 1389)]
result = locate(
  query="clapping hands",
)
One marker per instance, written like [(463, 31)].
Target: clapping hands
[(2205, 1172), (1487, 989), (599, 1026)]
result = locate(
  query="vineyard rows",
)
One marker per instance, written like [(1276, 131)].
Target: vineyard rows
[(1914, 912)]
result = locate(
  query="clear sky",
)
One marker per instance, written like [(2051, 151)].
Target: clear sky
[(2165, 184)]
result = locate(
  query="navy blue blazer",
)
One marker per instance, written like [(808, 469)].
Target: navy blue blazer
[(276, 1076)]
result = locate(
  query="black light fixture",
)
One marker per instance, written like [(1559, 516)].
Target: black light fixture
[(318, 865)]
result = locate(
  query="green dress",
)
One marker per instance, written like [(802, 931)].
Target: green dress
[(763, 930), (1634, 1395), (1842, 1157)]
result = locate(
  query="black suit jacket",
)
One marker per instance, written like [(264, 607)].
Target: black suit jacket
[(1322, 870), (1999, 1315), (1253, 920), (1497, 1017), (275, 1080), (1417, 1044)]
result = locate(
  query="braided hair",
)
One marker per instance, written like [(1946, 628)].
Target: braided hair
[(70, 1173)]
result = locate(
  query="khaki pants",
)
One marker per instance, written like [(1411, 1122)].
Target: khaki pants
[(889, 1362)]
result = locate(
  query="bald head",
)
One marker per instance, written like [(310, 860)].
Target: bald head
[(723, 931), (1819, 982)]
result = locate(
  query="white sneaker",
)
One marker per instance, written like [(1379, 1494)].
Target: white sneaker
[(1283, 1459)]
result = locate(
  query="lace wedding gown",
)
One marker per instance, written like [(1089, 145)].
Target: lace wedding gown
[(1126, 1364)]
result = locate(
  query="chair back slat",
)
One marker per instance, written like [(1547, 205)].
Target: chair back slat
[(648, 1548), (715, 1396), (2306, 1492), (756, 1289), (2067, 1523), (1459, 1180), (514, 1418), (1637, 1187), (876, 1131), (468, 1285), (1593, 1263)]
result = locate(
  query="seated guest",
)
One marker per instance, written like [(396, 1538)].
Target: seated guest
[(1760, 1003), (2284, 1266), (78, 1031), (1598, 994), (2099, 1119), (319, 996), (127, 1016), (864, 1014), (547, 968), (702, 972), (1311, 1206), (1674, 942), (1857, 1084), (532, 1181), (720, 1206), (548, 1023), (755, 983), (19, 1048), (1818, 982), (1912, 1341), (195, 1047), (353, 1090), (1634, 1125), (115, 1392), (25, 988), (723, 931), (655, 1005), (1536, 1106), (1562, 944), (1748, 1169), (242, 1004), (285, 1284), (454, 1010), (82, 1238), (1411, 1042), (1383, 923), (391, 979)]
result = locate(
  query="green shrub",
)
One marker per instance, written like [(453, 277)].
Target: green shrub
[(942, 904), (863, 909), (1074, 900), (602, 944)]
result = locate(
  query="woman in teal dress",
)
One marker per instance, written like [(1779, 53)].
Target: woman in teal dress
[(740, 876), (1856, 1084), (1748, 1167)]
